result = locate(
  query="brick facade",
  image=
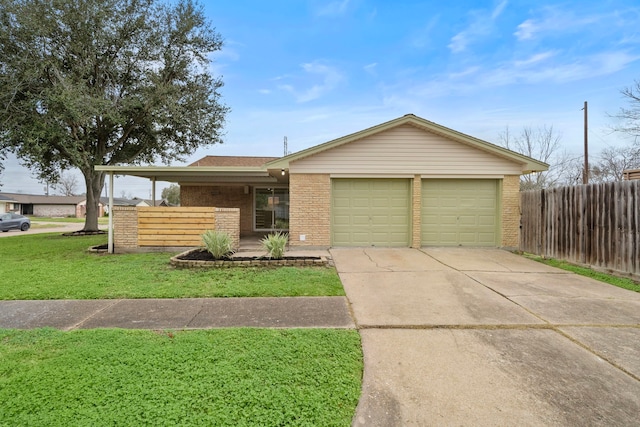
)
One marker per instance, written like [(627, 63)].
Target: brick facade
[(238, 196), (510, 211), (416, 212), (310, 210), (125, 227), (227, 220)]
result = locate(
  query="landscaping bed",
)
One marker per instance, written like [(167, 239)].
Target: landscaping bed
[(203, 258)]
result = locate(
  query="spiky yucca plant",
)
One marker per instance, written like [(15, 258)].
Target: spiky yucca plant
[(275, 244), (218, 243)]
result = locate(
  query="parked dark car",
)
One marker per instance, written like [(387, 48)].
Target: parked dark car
[(11, 221)]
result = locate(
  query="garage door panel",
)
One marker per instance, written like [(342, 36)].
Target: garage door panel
[(460, 212), (377, 212), (487, 220)]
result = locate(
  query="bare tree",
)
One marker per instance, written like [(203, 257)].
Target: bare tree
[(630, 117), (612, 161), (544, 144), (67, 184)]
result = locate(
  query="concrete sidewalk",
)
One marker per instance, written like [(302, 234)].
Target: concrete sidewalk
[(483, 337), (187, 313)]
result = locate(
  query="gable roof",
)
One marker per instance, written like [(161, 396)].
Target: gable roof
[(226, 161), (37, 199), (528, 164)]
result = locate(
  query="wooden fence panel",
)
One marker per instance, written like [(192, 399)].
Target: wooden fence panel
[(596, 224), (174, 226)]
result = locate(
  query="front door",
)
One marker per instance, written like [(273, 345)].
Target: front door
[(271, 209)]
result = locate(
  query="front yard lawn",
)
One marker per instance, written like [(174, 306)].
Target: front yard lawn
[(51, 266), (224, 377)]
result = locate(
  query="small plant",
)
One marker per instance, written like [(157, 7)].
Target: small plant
[(281, 224), (275, 244), (217, 243)]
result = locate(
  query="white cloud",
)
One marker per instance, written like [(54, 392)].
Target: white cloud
[(561, 72), (331, 77), (499, 9), (334, 8), (554, 20), (264, 91), (534, 59), (482, 24), (371, 68), (459, 42), (422, 38), (526, 30), (464, 73), (542, 68)]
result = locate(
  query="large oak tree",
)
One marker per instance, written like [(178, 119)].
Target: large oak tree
[(106, 82)]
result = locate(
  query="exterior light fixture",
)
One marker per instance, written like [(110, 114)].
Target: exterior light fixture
[(282, 172)]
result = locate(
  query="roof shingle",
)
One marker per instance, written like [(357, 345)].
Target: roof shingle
[(231, 161)]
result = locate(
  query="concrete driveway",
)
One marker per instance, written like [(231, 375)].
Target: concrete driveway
[(485, 337)]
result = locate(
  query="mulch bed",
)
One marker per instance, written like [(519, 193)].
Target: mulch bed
[(204, 255), (84, 233)]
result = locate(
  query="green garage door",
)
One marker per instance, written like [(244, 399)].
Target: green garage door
[(366, 212), (460, 212)]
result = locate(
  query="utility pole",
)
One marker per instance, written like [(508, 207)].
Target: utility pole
[(585, 175)]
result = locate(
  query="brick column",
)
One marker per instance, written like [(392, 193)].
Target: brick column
[(310, 210), (416, 212), (510, 211), (125, 227)]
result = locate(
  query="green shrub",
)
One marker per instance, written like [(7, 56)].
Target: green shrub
[(275, 244), (218, 243)]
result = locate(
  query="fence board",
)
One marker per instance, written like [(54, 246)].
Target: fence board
[(174, 226), (596, 224)]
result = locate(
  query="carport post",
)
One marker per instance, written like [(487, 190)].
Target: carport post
[(110, 241), (153, 191)]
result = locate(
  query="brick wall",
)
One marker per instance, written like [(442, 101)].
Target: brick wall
[(222, 197), (125, 227), (126, 220), (54, 210), (310, 209), (416, 212), (510, 211), (228, 220)]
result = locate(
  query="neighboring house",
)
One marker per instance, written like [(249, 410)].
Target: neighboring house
[(631, 174), (103, 205), (406, 182), (6, 204), (40, 205)]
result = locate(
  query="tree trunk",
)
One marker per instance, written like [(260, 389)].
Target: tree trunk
[(94, 182)]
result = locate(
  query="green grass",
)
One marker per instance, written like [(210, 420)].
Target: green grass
[(224, 377), (620, 282), (51, 266)]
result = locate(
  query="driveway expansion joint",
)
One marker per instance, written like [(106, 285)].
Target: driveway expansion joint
[(106, 307)]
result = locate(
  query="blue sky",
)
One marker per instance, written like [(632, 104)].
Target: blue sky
[(316, 70)]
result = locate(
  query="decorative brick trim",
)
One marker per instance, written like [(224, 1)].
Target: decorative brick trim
[(416, 212), (125, 227), (510, 211), (310, 210)]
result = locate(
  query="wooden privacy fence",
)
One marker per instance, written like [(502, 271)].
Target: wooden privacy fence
[(596, 224), (138, 227), (159, 226)]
